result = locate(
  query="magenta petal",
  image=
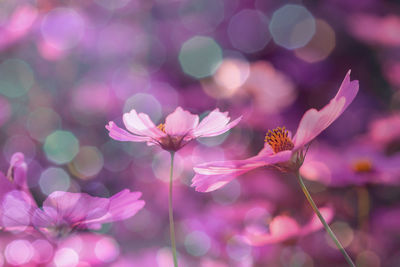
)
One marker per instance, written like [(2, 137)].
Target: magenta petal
[(123, 205), (180, 122), (214, 124), (281, 228), (16, 209), (141, 124), (121, 135), (74, 208), (212, 176), (314, 121)]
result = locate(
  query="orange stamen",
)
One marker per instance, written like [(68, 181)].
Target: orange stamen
[(362, 165), (161, 126), (279, 139)]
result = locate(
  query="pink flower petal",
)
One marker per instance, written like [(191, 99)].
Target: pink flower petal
[(212, 176), (314, 121), (281, 228), (141, 124), (214, 124), (123, 205), (121, 135), (74, 208), (180, 122)]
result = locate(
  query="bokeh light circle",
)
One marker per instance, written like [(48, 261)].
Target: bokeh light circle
[(197, 243), (19, 252), (200, 56), (66, 257), (248, 31), (41, 122), (320, 46), (54, 179), (88, 162), (292, 26), (16, 78), (19, 143), (61, 147), (106, 249), (201, 15), (229, 77), (144, 103), (62, 28)]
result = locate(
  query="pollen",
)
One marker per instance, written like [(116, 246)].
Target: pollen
[(161, 126), (362, 166), (279, 139)]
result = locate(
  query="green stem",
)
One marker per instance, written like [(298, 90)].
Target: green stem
[(170, 211), (326, 226)]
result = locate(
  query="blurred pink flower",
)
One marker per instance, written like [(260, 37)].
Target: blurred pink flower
[(65, 211), (283, 228), (62, 212), (385, 131), (180, 128), (376, 30), (359, 163), (280, 149)]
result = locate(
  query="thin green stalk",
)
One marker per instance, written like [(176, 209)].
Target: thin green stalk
[(170, 211), (326, 226)]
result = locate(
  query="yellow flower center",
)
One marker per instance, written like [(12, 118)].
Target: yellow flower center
[(161, 126), (362, 165), (279, 139)]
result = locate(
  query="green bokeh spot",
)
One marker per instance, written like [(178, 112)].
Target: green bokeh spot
[(200, 56), (61, 147)]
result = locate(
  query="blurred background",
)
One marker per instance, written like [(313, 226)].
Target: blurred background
[(69, 67)]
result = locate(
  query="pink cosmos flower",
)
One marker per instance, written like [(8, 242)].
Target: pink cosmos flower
[(283, 228), (358, 163), (61, 212), (280, 149), (180, 128), (64, 211)]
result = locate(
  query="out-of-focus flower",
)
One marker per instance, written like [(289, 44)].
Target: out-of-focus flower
[(180, 128), (65, 211), (358, 164), (19, 24), (376, 30), (61, 212), (386, 131), (283, 228), (280, 149)]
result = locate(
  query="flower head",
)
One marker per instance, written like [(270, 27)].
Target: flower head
[(180, 128), (280, 150), (61, 212)]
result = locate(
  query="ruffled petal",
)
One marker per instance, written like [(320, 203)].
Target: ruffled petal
[(141, 124), (74, 208), (314, 121), (212, 176), (214, 124), (121, 135), (180, 122), (123, 205)]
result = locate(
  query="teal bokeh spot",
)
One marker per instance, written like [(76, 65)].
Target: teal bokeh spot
[(200, 56), (16, 78), (61, 147)]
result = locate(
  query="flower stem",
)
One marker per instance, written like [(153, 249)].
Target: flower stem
[(326, 226), (170, 211)]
